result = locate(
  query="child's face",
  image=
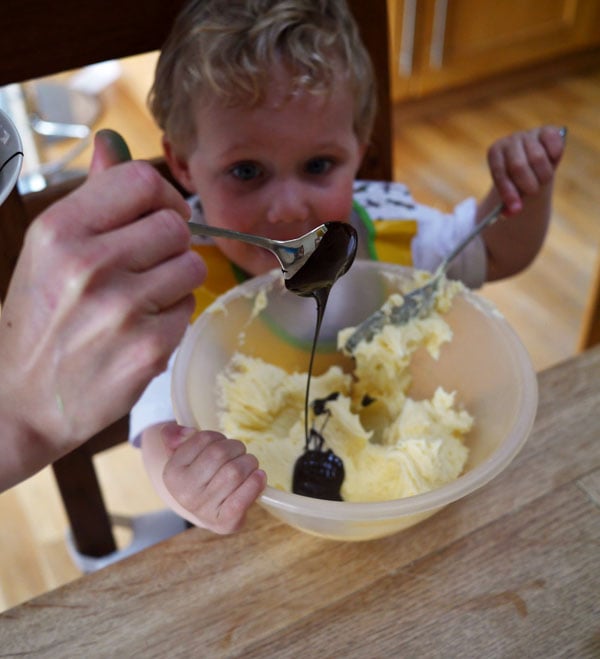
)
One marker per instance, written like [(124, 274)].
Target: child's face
[(276, 170)]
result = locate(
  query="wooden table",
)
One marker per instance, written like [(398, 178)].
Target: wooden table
[(511, 571)]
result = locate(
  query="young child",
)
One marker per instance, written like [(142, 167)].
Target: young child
[(267, 107)]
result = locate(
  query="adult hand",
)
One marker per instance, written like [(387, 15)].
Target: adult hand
[(99, 299)]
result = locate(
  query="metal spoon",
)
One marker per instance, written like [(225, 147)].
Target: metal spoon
[(291, 254), (419, 302)]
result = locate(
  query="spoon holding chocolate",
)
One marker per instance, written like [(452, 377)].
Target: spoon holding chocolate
[(311, 265)]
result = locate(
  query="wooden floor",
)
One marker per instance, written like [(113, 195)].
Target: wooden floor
[(442, 158)]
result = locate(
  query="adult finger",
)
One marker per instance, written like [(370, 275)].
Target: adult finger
[(109, 149), (151, 240), (165, 284), (128, 191), (149, 352), (112, 198)]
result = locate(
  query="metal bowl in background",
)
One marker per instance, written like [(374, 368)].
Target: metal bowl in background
[(11, 156)]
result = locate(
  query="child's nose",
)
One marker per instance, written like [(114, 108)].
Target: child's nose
[(289, 203)]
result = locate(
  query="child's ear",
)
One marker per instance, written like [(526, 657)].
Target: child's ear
[(178, 165)]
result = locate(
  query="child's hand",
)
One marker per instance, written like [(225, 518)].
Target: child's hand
[(522, 163), (212, 477)]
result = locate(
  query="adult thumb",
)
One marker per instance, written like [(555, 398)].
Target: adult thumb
[(109, 149)]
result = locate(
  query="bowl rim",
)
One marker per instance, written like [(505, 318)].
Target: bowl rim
[(419, 503)]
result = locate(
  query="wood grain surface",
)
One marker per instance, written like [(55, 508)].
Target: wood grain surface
[(512, 570)]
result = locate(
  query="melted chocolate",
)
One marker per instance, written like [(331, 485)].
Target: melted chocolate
[(319, 405), (331, 259), (319, 473)]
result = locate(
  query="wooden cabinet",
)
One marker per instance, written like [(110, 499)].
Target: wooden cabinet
[(441, 44)]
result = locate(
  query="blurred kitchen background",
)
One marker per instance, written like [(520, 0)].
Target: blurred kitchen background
[(464, 73)]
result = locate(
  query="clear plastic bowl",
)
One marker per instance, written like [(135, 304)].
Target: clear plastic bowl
[(485, 363)]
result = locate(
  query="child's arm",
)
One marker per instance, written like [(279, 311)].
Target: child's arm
[(522, 166), (206, 478)]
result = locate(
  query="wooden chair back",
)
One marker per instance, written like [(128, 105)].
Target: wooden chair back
[(43, 38)]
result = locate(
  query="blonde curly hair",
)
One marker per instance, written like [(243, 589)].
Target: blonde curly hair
[(227, 48)]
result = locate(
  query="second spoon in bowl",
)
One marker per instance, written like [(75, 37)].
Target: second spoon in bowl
[(419, 301)]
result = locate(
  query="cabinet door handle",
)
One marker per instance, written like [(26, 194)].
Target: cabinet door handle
[(407, 39), (436, 52)]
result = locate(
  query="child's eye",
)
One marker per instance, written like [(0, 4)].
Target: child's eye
[(319, 165), (246, 171)]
